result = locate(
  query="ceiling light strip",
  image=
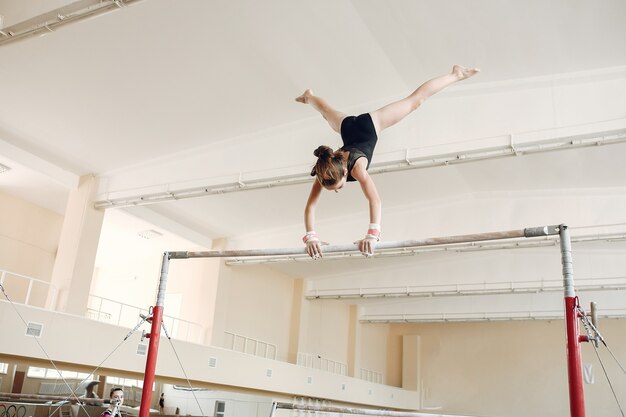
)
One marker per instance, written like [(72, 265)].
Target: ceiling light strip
[(485, 288), (481, 316), (62, 16)]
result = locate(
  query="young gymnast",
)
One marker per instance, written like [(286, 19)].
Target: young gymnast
[(350, 162)]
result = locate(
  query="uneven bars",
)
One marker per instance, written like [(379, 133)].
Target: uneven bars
[(351, 247)]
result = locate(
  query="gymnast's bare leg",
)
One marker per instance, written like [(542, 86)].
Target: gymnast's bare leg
[(392, 113), (332, 116)]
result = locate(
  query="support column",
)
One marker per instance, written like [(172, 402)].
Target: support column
[(294, 323), (210, 289), (354, 343), (215, 335), (410, 362), (74, 264)]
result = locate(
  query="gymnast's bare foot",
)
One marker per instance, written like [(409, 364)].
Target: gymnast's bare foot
[(304, 98), (462, 73)]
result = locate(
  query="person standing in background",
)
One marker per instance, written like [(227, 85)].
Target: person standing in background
[(162, 404)]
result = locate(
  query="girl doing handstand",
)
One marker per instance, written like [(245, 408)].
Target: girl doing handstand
[(350, 162)]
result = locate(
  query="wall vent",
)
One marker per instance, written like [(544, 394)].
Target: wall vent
[(34, 329), (220, 409), (212, 362), (142, 349), (149, 234), (268, 372)]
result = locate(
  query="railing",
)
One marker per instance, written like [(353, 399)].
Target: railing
[(251, 346), (371, 376), (22, 289), (317, 362), (121, 314), (26, 290)]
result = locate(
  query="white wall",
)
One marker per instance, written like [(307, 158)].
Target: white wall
[(255, 302), (202, 402), (374, 348), (510, 369), (29, 237), (325, 326), (128, 268)]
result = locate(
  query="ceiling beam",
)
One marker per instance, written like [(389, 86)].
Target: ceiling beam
[(33, 162), (604, 133)]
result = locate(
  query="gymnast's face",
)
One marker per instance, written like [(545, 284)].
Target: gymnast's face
[(338, 185), (334, 185), (118, 395)]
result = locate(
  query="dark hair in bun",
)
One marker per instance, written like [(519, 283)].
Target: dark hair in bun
[(329, 165)]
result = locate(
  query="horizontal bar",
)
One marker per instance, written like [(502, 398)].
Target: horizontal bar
[(351, 247), (349, 410)]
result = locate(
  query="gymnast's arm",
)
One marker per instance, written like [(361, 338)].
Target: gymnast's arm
[(359, 172), (313, 244)]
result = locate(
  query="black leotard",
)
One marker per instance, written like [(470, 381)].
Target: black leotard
[(359, 138)]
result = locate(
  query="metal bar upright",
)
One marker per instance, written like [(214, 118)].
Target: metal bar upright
[(574, 368), (154, 336)]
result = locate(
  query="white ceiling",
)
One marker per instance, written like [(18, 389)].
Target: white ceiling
[(161, 77), (134, 88)]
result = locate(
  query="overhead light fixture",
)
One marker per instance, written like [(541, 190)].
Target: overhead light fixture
[(51, 20), (4, 168), (473, 289), (482, 316)]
